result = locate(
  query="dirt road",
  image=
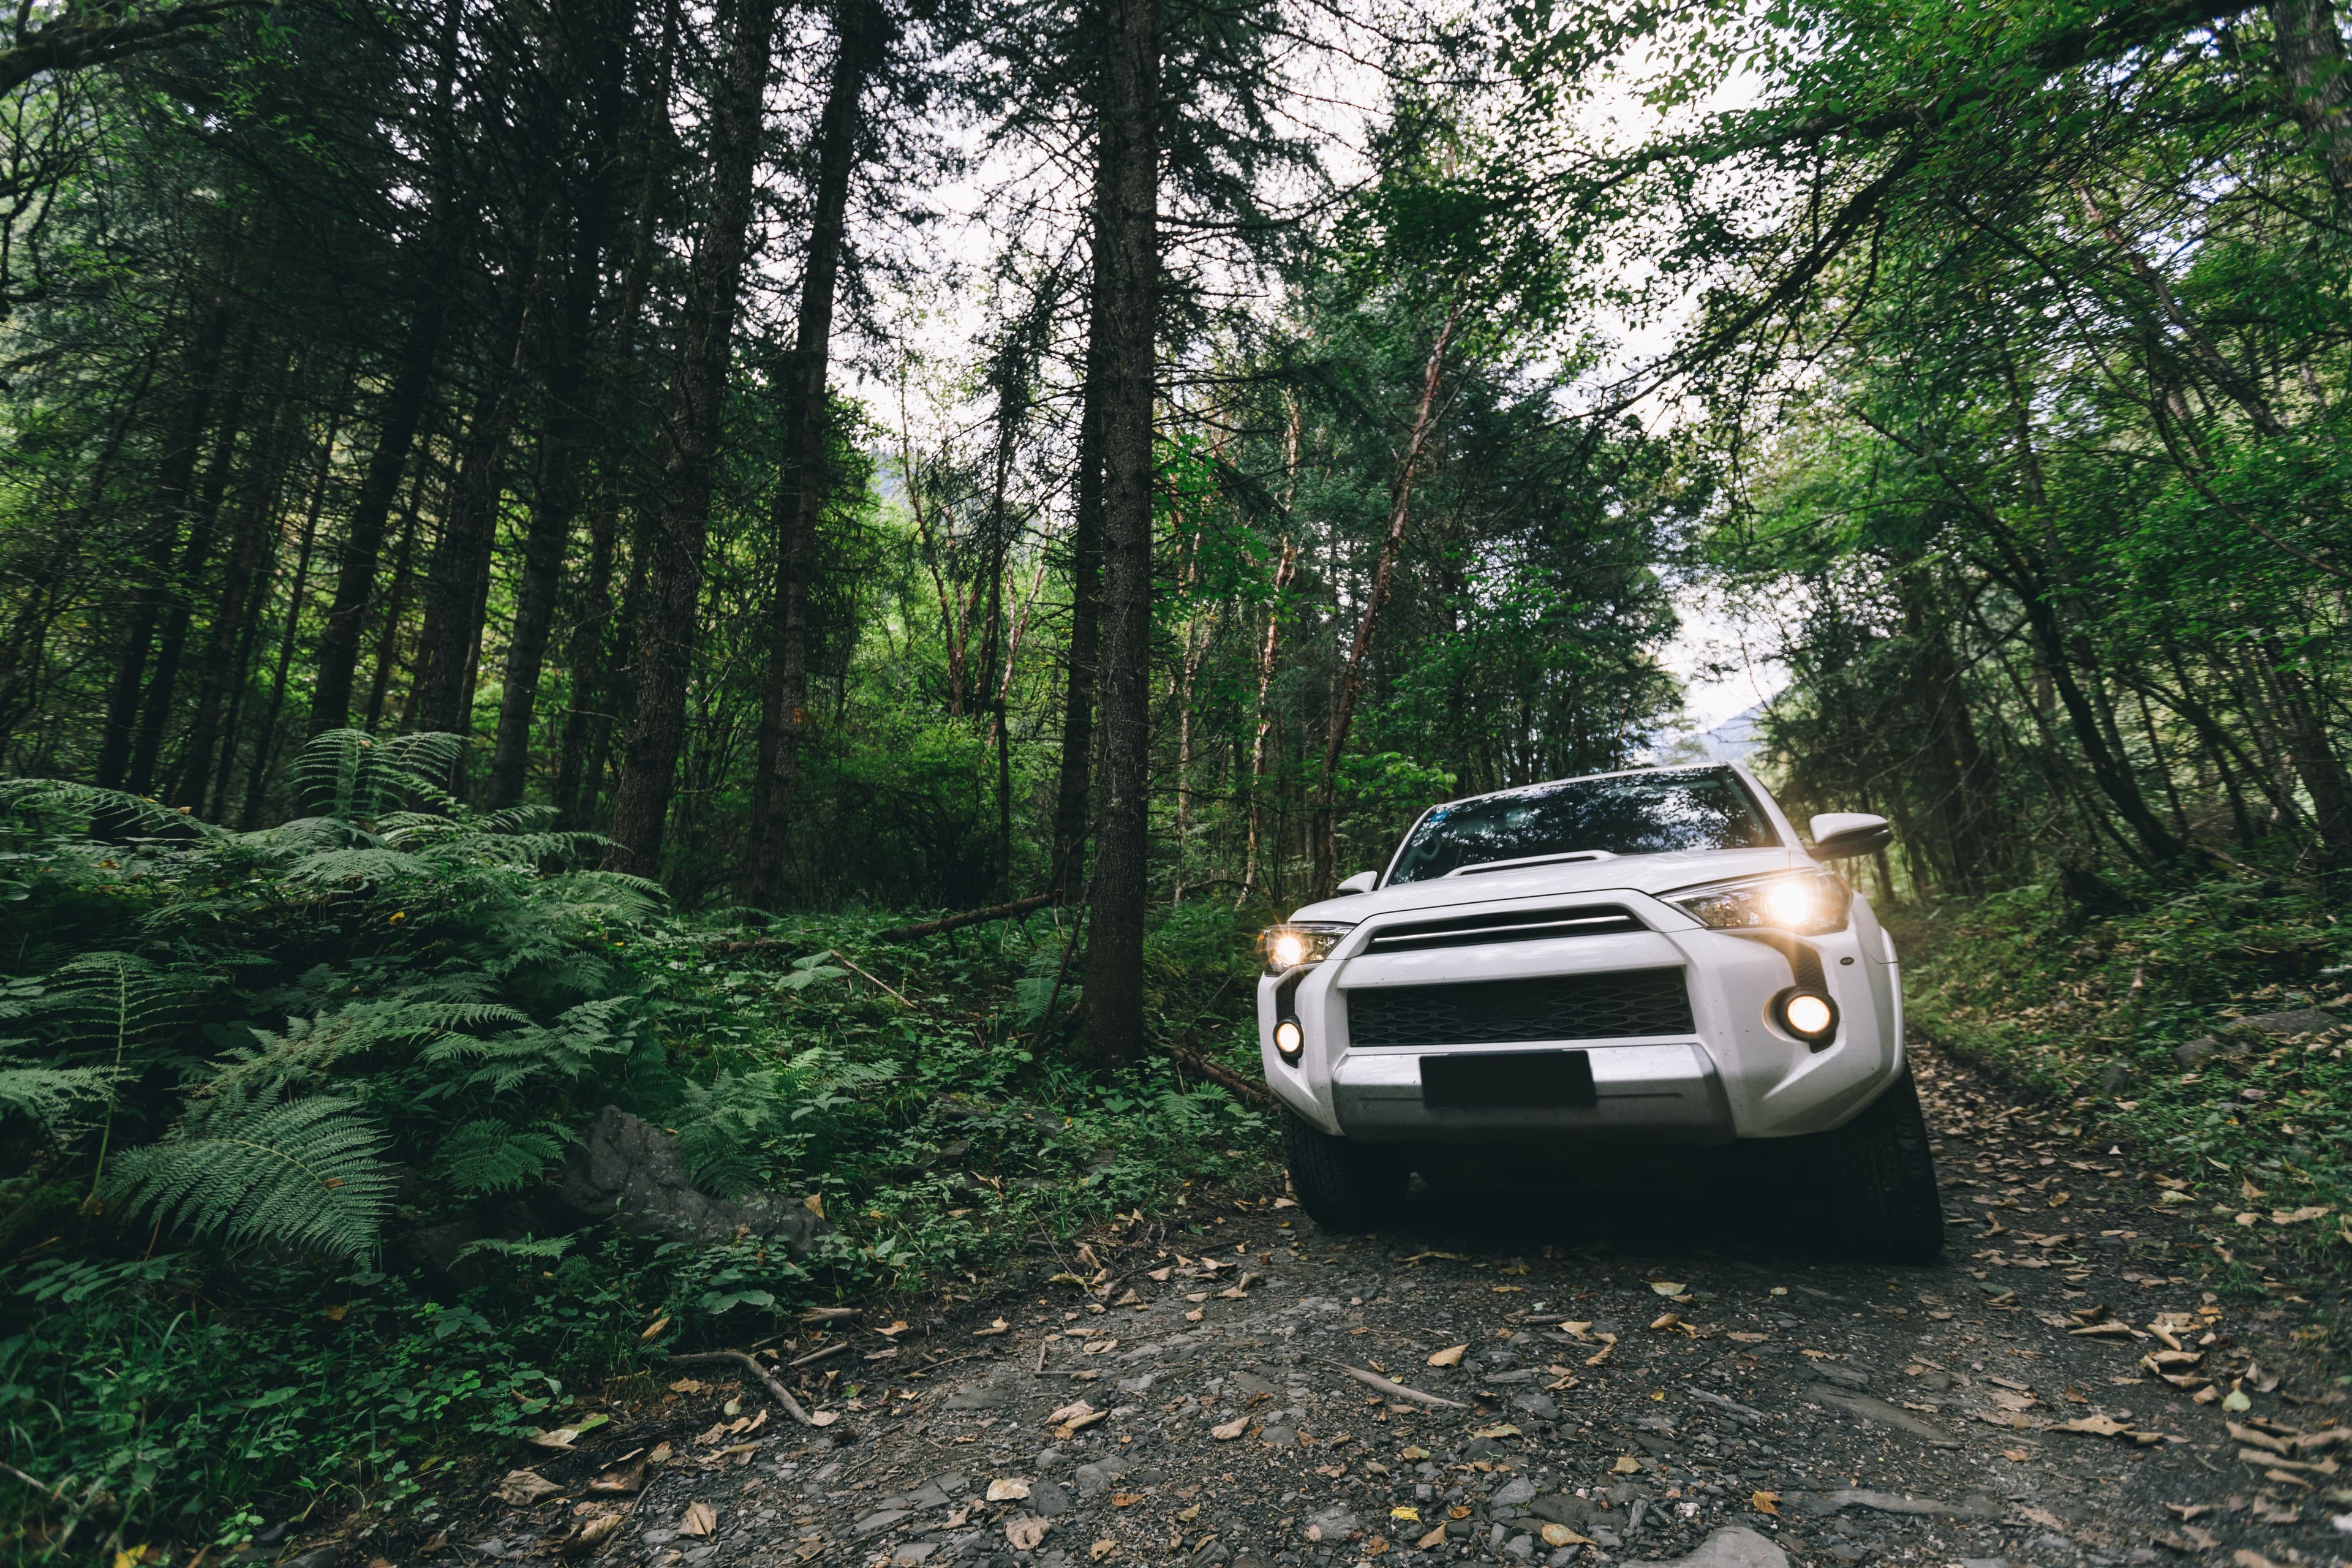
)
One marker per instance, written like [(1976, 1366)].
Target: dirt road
[(1626, 1382)]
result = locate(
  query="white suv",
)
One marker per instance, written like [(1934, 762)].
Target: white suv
[(1644, 957)]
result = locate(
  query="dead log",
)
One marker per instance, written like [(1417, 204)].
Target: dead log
[(970, 918)]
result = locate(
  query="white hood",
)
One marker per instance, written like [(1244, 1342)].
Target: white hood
[(1628, 873)]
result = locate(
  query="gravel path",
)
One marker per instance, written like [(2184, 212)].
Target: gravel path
[(1635, 1374)]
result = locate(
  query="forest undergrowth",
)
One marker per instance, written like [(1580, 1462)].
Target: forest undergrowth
[(2201, 1024), (251, 1067)]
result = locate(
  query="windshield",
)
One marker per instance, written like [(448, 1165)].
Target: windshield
[(1635, 814)]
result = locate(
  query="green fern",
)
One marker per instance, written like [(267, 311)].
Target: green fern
[(349, 773), (488, 1156), (307, 1174), (52, 1095)]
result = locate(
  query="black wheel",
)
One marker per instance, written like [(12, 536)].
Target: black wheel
[(1882, 1180), (1344, 1185)]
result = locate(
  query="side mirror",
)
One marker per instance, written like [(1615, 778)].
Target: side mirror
[(1844, 835), (1361, 882)]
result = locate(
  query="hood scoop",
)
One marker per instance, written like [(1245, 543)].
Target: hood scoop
[(1518, 925)]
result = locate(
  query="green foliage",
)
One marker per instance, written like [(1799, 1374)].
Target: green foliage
[(280, 1054), (2092, 1009), (306, 1174)]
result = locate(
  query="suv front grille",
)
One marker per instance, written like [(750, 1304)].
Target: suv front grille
[(1611, 1005), (1519, 925)]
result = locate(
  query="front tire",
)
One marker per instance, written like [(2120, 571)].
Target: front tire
[(1344, 1185), (1882, 1180)]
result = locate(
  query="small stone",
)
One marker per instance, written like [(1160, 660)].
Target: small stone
[(1542, 1406), (2050, 1544), (1732, 1547), (913, 1553), (1517, 1493), (1049, 1498), (1097, 1478), (1522, 1547), (1279, 1436), (875, 1524), (1334, 1524)]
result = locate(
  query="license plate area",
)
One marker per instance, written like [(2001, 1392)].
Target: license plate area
[(1507, 1080)]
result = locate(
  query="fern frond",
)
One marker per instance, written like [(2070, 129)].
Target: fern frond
[(348, 773), (85, 801), (488, 1156), (307, 1173), (50, 1096), (569, 1049)]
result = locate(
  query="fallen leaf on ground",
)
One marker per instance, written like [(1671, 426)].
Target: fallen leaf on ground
[(1560, 1535), (1006, 1490), (522, 1487), (1626, 1465), (1434, 1538), (700, 1519), (1450, 1356), (1668, 1287), (1766, 1502), (1376, 1546), (1124, 1500), (1230, 1429), (1023, 1534), (1506, 1430), (620, 1477), (2015, 1456), (1101, 1549), (655, 1328), (998, 1327), (591, 1533)]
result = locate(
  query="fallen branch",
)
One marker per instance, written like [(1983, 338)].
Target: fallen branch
[(970, 918), (885, 985), (813, 1357), (1257, 1093), (1397, 1390), (776, 1390)]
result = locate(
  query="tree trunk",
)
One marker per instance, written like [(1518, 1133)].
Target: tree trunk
[(265, 748), (439, 247), (690, 448), (155, 710), (248, 549), (1343, 707), (563, 441), (1285, 568), (802, 487), (456, 583), (2315, 763), (2308, 45), (1127, 276), (594, 657), (175, 482), (1073, 787), (395, 609)]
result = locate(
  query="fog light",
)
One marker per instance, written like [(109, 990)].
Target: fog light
[(1807, 1015), (1289, 1040)]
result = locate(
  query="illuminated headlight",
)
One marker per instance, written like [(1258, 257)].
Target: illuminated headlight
[(1808, 1015), (1289, 1040), (1307, 942), (1809, 903)]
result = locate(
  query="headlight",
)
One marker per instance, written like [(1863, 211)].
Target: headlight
[(1806, 902), (1306, 941), (1289, 1040)]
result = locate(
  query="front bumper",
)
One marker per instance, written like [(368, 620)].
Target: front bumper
[(1734, 1074)]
